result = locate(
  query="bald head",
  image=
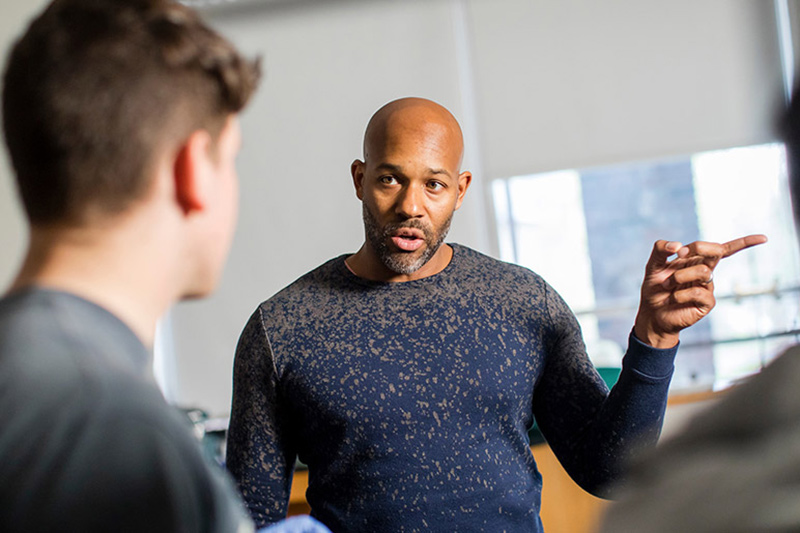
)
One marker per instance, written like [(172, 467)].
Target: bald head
[(417, 120)]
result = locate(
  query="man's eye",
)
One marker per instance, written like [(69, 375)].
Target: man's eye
[(388, 180), (435, 185)]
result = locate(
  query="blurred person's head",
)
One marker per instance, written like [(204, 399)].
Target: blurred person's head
[(100, 96)]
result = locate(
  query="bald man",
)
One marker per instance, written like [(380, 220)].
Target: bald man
[(407, 375)]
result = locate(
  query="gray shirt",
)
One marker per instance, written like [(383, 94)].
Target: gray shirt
[(86, 439)]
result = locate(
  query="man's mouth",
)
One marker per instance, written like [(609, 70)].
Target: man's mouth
[(408, 239)]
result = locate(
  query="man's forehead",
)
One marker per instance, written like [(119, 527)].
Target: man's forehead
[(419, 121), (430, 139), (434, 151)]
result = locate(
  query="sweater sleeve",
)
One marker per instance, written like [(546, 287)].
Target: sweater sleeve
[(259, 451), (593, 432)]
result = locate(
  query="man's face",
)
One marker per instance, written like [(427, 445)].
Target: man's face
[(410, 187)]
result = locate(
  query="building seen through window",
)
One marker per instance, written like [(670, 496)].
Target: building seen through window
[(589, 233)]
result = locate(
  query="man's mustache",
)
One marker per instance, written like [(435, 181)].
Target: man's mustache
[(389, 229)]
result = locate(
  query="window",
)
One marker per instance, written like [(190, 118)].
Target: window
[(589, 233)]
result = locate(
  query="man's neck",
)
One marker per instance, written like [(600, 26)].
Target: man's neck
[(366, 263), (105, 267)]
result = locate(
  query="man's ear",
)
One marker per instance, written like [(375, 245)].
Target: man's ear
[(190, 172), (357, 171), (464, 179)]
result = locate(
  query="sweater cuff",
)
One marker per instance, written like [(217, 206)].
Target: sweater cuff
[(651, 362)]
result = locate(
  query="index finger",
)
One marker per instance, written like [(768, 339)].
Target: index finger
[(737, 245)]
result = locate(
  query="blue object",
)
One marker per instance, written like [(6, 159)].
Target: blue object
[(296, 524)]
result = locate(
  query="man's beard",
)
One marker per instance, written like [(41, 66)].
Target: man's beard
[(402, 262)]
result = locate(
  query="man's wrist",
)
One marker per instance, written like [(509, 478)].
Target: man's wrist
[(661, 341)]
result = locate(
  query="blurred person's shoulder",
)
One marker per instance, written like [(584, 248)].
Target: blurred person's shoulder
[(85, 423), (727, 471), (67, 362), (767, 399), (50, 337)]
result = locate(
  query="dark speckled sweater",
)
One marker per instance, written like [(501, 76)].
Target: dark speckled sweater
[(411, 402)]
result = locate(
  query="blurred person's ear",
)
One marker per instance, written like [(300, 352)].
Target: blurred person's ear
[(193, 170)]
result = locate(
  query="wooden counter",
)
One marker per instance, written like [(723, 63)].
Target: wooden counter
[(297, 498)]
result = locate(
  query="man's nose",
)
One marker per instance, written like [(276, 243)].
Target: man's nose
[(409, 203)]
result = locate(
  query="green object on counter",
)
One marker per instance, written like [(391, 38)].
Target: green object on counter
[(610, 375)]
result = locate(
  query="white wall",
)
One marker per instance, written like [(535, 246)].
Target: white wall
[(538, 85), (14, 15), (329, 65), (577, 83)]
